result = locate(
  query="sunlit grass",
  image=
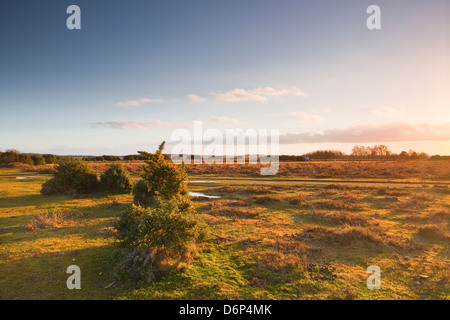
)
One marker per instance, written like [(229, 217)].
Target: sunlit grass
[(276, 240)]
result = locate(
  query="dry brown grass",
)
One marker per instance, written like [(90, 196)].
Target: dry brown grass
[(53, 220), (351, 235), (339, 204), (391, 192), (434, 170), (341, 217), (414, 204), (238, 209), (442, 215), (436, 231)]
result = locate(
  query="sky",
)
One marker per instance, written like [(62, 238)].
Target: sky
[(138, 70)]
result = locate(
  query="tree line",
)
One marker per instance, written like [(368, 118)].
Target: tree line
[(380, 152), (14, 156)]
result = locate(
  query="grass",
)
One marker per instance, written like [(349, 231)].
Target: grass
[(273, 240)]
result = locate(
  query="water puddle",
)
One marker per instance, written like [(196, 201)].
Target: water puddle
[(24, 178), (199, 194)]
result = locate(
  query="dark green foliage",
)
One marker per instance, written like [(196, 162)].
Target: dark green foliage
[(116, 180), (71, 176), (157, 239), (26, 159), (163, 229), (142, 194), (10, 156), (38, 160), (50, 158), (161, 178)]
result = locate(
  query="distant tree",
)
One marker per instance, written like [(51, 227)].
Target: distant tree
[(403, 155), (110, 158), (423, 156), (381, 151), (26, 159), (38, 160), (10, 156), (325, 155), (412, 154), (50, 158)]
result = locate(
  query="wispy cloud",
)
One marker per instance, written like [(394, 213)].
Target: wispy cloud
[(195, 98), (228, 120), (258, 94), (387, 132), (305, 117), (135, 103), (387, 112), (140, 125)]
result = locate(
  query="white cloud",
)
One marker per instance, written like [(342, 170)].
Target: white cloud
[(387, 112), (135, 103), (237, 95), (305, 117), (140, 125), (258, 94), (227, 120), (269, 91), (195, 98), (386, 132)]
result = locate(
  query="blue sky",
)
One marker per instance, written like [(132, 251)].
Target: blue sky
[(137, 70)]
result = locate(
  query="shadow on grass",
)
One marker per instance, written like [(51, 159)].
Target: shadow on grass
[(43, 275), (30, 200)]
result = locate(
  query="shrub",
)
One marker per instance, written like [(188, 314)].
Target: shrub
[(26, 159), (161, 178), (116, 179), (143, 196), (38, 160), (71, 176), (50, 158), (10, 156), (157, 239)]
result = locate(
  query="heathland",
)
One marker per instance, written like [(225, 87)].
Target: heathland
[(309, 232)]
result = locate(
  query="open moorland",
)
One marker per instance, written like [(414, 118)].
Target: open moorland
[(310, 232)]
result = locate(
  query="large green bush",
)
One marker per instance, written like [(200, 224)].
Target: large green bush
[(161, 178), (157, 239), (163, 229), (71, 176), (143, 196), (116, 180)]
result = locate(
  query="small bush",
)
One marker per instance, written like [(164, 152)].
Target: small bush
[(161, 178), (116, 180), (157, 239), (71, 176)]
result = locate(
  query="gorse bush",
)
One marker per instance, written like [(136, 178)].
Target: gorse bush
[(142, 194), (116, 180), (71, 176), (161, 178), (156, 239), (162, 230)]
